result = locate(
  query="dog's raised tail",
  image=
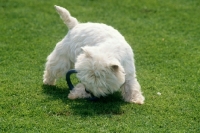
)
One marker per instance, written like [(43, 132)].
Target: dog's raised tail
[(70, 21)]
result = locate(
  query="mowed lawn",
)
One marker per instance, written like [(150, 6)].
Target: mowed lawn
[(165, 37)]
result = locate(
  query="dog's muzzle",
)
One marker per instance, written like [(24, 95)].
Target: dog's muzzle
[(71, 86)]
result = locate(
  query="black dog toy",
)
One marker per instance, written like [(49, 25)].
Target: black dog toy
[(71, 86), (68, 78)]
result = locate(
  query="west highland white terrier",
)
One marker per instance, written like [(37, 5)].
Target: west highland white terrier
[(102, 57)]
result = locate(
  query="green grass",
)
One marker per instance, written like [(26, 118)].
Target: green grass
[(165, 36)]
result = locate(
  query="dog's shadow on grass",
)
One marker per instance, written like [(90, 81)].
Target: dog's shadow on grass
[(109, 105), (55, 92)]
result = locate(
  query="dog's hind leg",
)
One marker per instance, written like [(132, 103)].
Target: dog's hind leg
[(56, 66), (131, 92)]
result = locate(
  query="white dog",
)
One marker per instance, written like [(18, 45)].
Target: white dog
[(102, 57)]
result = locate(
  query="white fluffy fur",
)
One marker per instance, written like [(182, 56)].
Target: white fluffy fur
[(102, 57)]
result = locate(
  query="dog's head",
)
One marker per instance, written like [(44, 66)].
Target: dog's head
[(99, 72)]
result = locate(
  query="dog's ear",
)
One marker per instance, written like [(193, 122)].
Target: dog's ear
[(87, 51), (114, 67)]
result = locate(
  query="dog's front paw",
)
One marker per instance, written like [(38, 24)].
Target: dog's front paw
[(72, 96), (78, 92), (138, 100)]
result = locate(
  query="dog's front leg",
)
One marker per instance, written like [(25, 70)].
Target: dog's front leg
[(131, 92), (78, 92)]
